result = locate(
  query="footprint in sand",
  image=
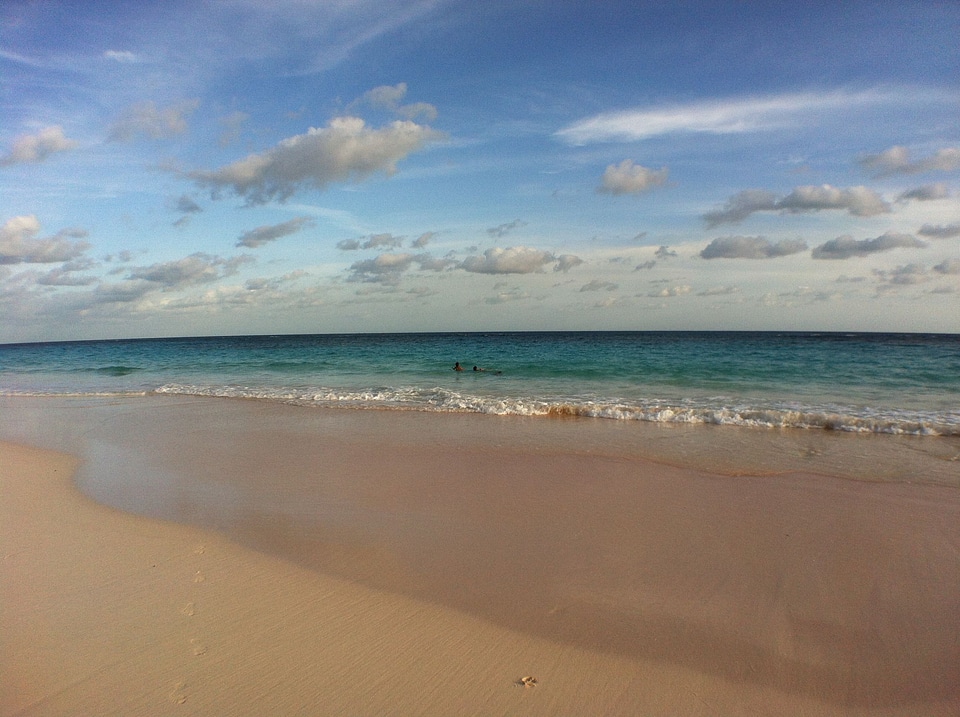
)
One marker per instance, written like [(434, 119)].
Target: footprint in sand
[(177, 695), (189, 610), (199, 550), (198, 647), (198, 577), (527, 681)]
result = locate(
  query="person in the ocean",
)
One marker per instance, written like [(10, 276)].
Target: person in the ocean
[(476, 368), (457, 366)]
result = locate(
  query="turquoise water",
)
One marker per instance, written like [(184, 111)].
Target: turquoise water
[(884, 383)]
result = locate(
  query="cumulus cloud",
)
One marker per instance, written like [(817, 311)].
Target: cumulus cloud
[(270, 232), (741, 247), (859, 201), (153, 122), (421, 241), (630, 178), (903, 275), (729, 116), (926, 193), (374, 241), (565, 262), (388, 97), (385, 268), (198, 268), (896, 160), (186, 205), (504, 297), (599, 285), (846, 247), (122, 292), (720, 291), (345, 150), (515, 260), (431, 263), (382, 241), (504, 229), (37, 147), (19, 243), (949, 267), (939, 231), (671, 291)]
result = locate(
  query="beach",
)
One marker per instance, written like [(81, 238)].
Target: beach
[(183, 555)]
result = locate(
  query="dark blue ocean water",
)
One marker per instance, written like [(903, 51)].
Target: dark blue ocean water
[(884, 383)]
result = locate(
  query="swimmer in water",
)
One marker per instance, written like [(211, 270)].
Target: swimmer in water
[(457, 366)]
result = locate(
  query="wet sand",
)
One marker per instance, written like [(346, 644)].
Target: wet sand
[(397, 563)]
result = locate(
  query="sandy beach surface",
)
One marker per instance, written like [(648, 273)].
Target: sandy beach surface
[(181, 556)]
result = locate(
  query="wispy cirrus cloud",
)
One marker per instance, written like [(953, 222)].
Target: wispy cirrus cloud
[(722, 116)]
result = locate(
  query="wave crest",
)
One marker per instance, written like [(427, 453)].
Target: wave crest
[(704, 411)]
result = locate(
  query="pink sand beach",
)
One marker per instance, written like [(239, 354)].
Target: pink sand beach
[(180, 556)]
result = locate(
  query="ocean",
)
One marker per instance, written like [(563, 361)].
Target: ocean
[(859, 382)]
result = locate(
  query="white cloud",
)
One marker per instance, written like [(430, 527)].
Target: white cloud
[(515, 260), (153, 122), (261, 235), (565, 262), (730, 116), (630, 178), (19, 243), (37, 147), (741, 247), (896, 160), (388, 97), (846, 247), (121, 56), (858, 201), (345, 150), (671, 291)]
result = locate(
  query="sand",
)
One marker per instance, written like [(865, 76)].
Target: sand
[(369, 563)]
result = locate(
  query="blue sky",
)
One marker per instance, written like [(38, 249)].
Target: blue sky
[(227, 167)]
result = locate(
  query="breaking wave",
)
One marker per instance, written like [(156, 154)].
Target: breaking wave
[(714, 410)]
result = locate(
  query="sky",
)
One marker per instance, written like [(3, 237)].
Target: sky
[(217, 167)]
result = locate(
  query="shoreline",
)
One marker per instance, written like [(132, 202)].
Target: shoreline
[(760, 589)]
